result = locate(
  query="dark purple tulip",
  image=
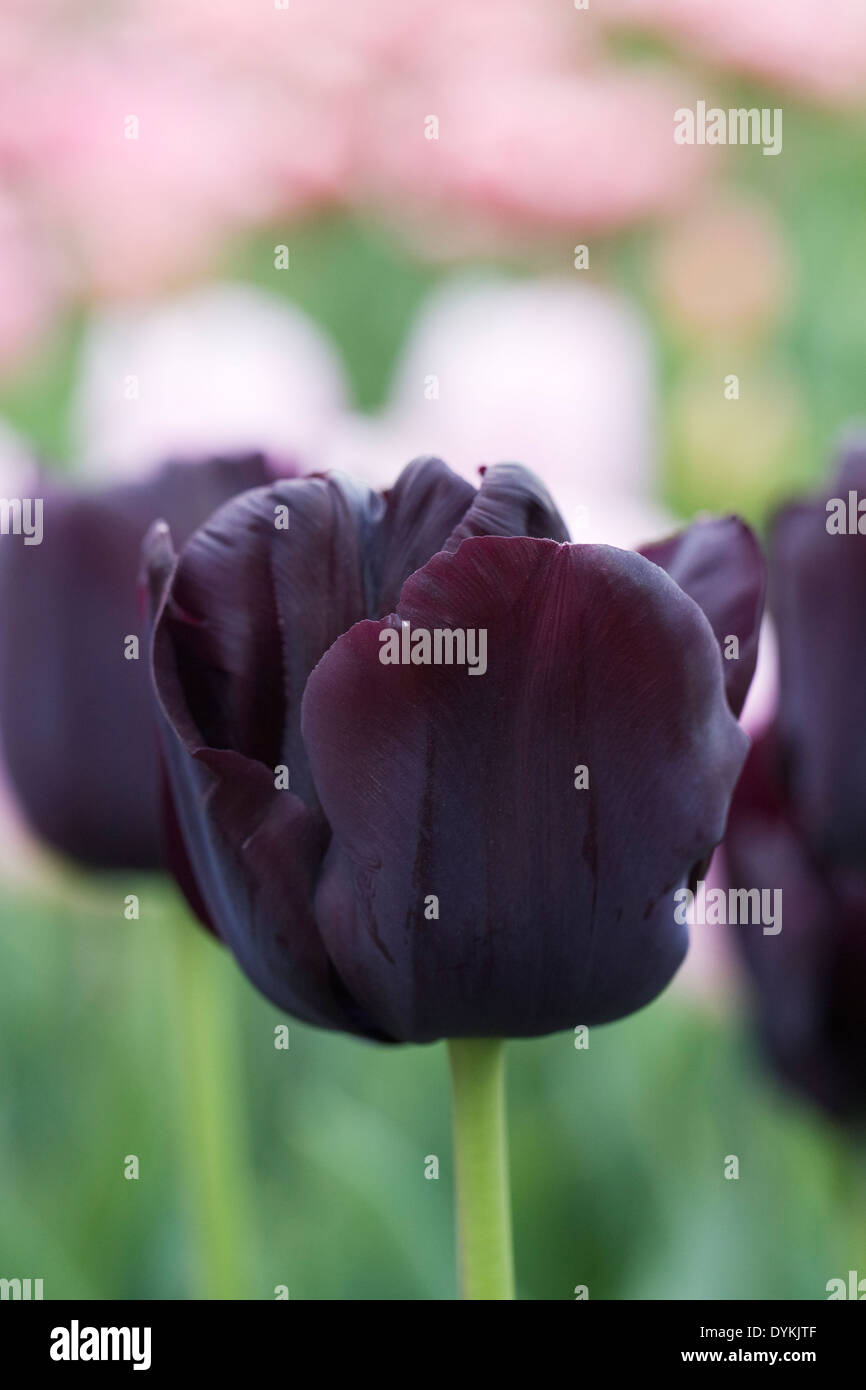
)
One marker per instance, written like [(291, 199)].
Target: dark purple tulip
[(433, 870), (718, 564), (798, 820), (77, 717), (809, 981), (818, 600)]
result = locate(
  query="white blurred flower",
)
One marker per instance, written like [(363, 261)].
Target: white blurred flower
[(557, 376), (218, 370), (16, 463)]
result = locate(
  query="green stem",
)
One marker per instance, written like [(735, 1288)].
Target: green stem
[(486, 1261), (212, 1120)]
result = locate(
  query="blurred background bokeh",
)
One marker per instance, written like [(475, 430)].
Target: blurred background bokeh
[(349, 234)]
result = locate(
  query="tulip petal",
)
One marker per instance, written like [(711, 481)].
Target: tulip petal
[(719, 564), (238, 621), (511, 501), (259, 593), (251, 600), (555, 904), (419, 513), (431, 508), (242, 618)]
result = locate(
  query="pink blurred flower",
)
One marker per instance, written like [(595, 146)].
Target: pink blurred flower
[(724, 268), (30, 283), (576, 152), (763, 696), (147, 169), (819, 49), (146, 136), (139, 157), (334, 43)]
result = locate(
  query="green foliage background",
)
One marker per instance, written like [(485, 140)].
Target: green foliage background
[(617, 1151)]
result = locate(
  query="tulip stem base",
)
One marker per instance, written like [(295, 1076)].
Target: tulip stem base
[(212, 1115), (485, 1258)]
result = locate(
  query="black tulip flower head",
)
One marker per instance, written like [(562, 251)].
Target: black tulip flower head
[(439, 772), (76, 709), (798, 818)]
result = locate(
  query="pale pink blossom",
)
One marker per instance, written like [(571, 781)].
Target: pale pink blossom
[(724, 269), (333, 42), (148, 170), (30, 283), (763, 696), (816, 48), (141, 139), (569, 153)]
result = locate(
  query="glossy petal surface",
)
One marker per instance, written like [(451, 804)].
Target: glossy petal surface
[(555, 904)]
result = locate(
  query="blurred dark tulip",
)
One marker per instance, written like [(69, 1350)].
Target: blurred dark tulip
[(555, 905), (798, 818), (818, 601), (809, 982), (76, 717)]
